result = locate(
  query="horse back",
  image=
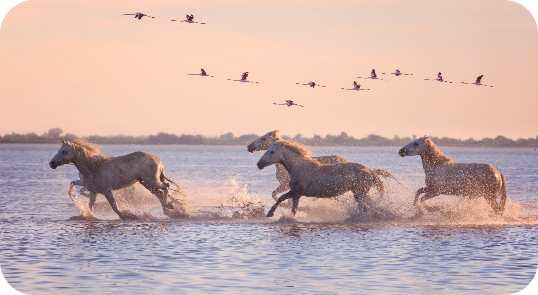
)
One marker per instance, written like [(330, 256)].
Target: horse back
[(333, 159), (142, 159)]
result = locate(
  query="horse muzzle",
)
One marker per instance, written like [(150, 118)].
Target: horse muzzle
[(53, 164), (250, 148), (402, 152), (261, 165)]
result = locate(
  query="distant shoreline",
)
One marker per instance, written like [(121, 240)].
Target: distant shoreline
[(55, 136), (241, 145)]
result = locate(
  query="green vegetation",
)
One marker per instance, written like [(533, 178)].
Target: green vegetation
[(55, 135)]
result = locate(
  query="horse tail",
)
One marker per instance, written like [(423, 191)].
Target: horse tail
[(163, 178), (378, 183), (386, 174), (503, 194)]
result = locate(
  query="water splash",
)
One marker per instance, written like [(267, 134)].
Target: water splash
[(202, 199), (230, 200), (181, 208), (81, 204)]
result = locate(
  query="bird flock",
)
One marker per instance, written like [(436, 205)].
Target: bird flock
[(356, 87)]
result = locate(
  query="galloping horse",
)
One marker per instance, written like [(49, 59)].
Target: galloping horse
[(444, 176), (282, 175), (102, 174), (312, 179)]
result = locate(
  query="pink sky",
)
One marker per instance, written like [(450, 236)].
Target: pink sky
[(84, 67)]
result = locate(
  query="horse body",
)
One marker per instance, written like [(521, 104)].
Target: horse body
[(282, 175), (464, 179), (330, 180), (445, 177), (312, 179), (103, 174), (118, 172)]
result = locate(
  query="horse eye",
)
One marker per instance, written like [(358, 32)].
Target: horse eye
[(64, 152), (263, 138), (415, 143), (271, 152)]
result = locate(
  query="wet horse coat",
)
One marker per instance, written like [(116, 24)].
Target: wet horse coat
[(446, 177), (310, 178), (266, 141), (103, 174)]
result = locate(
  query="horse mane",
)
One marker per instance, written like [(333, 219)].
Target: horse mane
[(275, 134), (297, 148), (89, 154), (435, 157)]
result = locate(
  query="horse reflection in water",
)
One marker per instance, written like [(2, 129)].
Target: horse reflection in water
[(445, 177), (310, 178), (101, 174)]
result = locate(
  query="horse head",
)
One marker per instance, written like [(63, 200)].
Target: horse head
[(416, 147), (64, 155), (265, 142), (271, 156)]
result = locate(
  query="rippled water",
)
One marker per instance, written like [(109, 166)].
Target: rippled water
[(453, 246)]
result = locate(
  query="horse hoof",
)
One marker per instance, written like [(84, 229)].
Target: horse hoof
[(128, 216), (270, 214)]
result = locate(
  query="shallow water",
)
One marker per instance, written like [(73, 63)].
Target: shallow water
[(226, 246)]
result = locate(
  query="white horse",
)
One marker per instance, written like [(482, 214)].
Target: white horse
[(312, 179), (266, 141), (102, 174), (444, 176)]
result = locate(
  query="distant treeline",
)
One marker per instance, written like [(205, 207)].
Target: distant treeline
[(56, 135)]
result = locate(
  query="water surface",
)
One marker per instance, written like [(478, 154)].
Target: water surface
[(456, 246)]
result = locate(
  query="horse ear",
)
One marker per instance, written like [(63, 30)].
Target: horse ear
[(63, 141)]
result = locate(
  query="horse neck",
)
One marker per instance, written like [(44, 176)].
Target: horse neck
[(83, 167), (292, 161), (434, 157), (86, 165), (277, 138)]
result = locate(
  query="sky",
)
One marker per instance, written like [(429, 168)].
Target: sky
[(84, 67)]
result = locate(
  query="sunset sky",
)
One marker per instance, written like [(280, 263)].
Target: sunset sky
[(84, 67)]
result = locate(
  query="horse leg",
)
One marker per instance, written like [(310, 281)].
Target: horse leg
[(164, 200), (155, 189), (84, 192), (283, 178), (70, 190), (280, 189), (282, 198), (429, 195), (93, 198), (419, 192), (110, 198), (360, 199), (491, 199), (295, 201)]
